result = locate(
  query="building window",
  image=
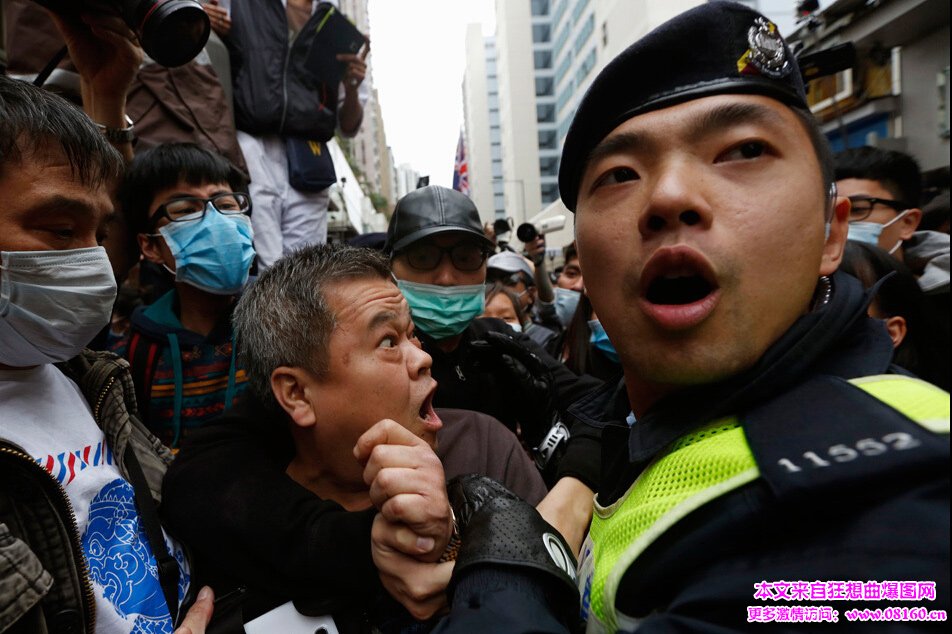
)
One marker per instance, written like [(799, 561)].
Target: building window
[(544, 86), (586, 32), (550, 193), (545, 113), (541, 33), (580, 7), (542, 59), (564, 96), (564, 66), (549, 166), (540, 7), (585, 67), (548, 140)]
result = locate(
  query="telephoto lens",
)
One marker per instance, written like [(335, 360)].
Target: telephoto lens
[(171, 32), (527, 232)]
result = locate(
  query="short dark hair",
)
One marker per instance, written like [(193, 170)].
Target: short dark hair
[(31, 116), (569, 252), (897, 172), (283, 318), (899, 295), (162, 167)]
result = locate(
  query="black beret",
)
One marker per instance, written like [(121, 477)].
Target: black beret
[(715, 48)]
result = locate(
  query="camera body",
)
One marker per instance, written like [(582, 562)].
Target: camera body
[(527, 232), (172, 32)]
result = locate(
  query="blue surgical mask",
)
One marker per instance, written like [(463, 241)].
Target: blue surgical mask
[(566, 301), (443, 311), (212, 254), (515, 325), (599, 339), (869, 232)]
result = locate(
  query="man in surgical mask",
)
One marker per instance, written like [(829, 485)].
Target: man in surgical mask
[(439, 254), (78, 471), (884, 188), (189, 210)]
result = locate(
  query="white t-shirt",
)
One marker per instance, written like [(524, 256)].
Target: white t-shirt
[(44, 412)]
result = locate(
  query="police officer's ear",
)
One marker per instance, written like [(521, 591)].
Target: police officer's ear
[(896, 326), (837, 226), (293, 390)]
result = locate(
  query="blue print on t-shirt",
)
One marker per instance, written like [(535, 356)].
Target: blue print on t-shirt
[(121, 560)]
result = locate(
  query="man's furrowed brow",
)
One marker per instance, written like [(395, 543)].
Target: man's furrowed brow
[(383, 317), (613, 144), (730, 115)]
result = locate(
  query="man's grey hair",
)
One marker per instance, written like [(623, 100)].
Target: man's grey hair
[(283, 318)]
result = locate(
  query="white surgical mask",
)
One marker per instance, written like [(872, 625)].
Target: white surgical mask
[(52, 303)]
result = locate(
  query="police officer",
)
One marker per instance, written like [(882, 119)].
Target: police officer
[(759, 454)]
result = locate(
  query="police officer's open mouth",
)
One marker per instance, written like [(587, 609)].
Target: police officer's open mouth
[(677, 276), (678, 289)]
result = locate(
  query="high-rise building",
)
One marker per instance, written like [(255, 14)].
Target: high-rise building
[(368, 148), (482, 133)]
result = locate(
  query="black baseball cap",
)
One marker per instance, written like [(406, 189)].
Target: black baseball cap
[(431, 210), (715, 48)]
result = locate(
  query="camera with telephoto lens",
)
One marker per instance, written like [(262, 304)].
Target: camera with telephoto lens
[(527, 232), (172, 32)]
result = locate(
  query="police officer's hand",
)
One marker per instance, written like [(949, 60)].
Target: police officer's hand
[(499, 529), (533, 401), (407, 484)]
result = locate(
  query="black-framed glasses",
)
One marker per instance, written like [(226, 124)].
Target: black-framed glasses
[(187, 209), (465, 256), (862, 206)]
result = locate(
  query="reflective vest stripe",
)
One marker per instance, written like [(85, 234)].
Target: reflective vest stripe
[(667, 491), (699, 468), (921, 402)]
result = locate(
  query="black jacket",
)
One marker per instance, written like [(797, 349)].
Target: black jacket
[(248, 524), (469, 380), (274, 93), (877, 518)]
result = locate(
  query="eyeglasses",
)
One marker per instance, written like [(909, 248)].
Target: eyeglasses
[(862, 206), (465, 256), (188, 209)]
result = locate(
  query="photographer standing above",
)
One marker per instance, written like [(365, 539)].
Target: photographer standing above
[(276, 99)]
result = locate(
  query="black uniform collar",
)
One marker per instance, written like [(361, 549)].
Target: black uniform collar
[(836, 339)]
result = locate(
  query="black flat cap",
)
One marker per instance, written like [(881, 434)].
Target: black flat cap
[(715, 48), (430, 210)]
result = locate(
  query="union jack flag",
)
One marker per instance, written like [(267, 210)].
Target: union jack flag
[(461, 168)]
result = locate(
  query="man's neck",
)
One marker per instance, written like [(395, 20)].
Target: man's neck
[(352, 495), (642, 395), (200, 311)]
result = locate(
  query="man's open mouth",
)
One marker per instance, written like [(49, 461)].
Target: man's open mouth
[(679, 287), (427, 413)]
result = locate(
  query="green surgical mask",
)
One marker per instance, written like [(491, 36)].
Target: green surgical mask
[(443, 311)]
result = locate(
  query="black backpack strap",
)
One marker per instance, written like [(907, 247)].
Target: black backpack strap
[(149, 516)]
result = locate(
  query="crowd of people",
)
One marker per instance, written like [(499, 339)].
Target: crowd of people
[(208, 414)]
